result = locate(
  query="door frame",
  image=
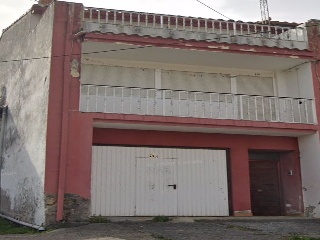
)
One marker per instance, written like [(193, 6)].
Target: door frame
[(280, 185)]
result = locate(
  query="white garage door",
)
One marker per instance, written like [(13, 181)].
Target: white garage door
[(140, 181)]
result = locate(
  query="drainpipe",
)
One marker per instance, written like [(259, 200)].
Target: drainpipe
[(37, 227), (68, 45)]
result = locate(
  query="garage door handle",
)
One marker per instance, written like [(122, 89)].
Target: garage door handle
[(173, 185)]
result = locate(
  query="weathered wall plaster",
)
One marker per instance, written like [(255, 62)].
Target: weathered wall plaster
[(27, 84), (310, 166)]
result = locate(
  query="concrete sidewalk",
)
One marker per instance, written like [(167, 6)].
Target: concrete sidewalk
[(186, 228)]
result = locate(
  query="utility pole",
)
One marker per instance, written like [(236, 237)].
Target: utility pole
[(265, 18)]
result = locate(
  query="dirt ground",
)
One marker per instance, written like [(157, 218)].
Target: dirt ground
[(186, 228)]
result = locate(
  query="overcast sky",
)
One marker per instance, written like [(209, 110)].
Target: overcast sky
[(245, 10)]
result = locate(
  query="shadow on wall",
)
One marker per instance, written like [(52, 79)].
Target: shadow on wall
[(22, 173)]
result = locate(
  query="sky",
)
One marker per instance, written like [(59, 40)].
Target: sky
[(246, 10)]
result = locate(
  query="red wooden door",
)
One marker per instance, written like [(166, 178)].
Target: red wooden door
[(265, 188)]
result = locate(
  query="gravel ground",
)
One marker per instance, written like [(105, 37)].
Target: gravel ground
[(201, 229)]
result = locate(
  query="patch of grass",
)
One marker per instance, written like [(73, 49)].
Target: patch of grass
[(161, 219), (201, 220), (241, 228), (98, 219), (302, 238), (159, 236), (8, 227)]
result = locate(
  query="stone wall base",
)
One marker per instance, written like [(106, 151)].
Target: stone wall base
[(76, 208), (245, 213)]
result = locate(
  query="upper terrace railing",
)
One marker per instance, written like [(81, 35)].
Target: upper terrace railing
[(193, 24), (161, 102)]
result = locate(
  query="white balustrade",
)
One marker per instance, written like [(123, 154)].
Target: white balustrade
[(175, 22), (161, 102)]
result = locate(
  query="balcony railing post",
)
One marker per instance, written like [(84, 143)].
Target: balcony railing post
[(306, 111), (161, 21), (139, 19), (122, 100), (277, 109), (292, 110), (270, 107), (140, 102), (188, 105), (195, 104), (177, 25), (256, 108), (179, 99), (248, 106), (241, 107), (105, 99), (203, 106), (114, 101), (219, 106), (171, 103), (87, 99), (226, 104), (131, 99), (263, 113), (146, 20), (211, 113), (114, 17), (314, 112), (155, 103), (164, 103), (97, 94)]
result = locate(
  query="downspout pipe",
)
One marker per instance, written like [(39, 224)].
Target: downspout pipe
[(65, 112), (37, 227)]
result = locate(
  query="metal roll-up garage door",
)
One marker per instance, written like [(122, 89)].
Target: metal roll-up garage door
[(142, 181)]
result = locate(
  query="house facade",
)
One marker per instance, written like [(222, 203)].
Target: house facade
[(119, 113)]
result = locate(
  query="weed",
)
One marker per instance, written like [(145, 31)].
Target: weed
[(161, 219), (159, 236), (98, 219), (201, 220), (8, 227), (302, 238), (241, 228)]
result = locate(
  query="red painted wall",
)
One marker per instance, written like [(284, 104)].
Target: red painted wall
[(70, 133)]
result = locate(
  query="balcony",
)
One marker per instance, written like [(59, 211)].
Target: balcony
[(191, 28), (191, 104)]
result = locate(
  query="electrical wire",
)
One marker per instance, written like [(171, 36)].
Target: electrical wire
[(213, 9), (76, 54)]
